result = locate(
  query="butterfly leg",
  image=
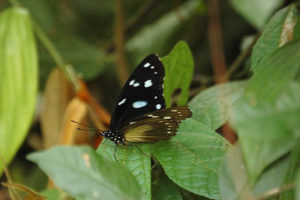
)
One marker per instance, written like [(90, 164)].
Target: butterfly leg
[(115, 154), (141, 150), (104, 141)]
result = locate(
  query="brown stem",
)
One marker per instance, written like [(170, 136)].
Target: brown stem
[(119, 43), (217, 56)]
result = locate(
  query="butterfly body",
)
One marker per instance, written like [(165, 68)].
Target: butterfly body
[(140, 115)]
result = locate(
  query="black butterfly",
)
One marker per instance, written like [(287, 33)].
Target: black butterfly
[(140, 115)]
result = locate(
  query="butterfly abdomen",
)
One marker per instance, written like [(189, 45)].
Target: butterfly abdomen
[(114, 136)]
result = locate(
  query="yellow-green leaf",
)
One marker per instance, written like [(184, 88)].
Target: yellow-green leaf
[(18, 79)]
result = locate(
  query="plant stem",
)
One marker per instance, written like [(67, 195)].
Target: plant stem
[(119, 43)]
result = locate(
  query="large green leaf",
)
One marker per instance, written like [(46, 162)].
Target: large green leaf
[(179, 68), (274, 74), (277, 32), (191, 158), (135, 159), (256, 12), (82, 172), (18, 80), (213, 106), (268, 130)]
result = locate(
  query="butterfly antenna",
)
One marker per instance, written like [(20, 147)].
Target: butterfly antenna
[(82, 124), (82, 129)]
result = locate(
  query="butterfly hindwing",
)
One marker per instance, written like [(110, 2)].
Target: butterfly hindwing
[(142, 93), (156, 126)]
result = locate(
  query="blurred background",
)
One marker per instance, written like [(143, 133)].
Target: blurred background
[(103, 41)]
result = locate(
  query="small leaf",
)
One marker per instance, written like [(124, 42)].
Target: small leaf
[(179, 68), (18, 81), (277, 32), (263, 9), (132, 158), (213, 106), (192, 158), (80, 171)]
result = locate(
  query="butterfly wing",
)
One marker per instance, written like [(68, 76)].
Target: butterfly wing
[(156, 126), (142, 93)]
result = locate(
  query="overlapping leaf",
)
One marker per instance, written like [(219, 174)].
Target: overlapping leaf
[(83, 173), (134, 159), (179, 68), (191, 158), (213, 106)]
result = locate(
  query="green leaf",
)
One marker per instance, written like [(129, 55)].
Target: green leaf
[(18, 80), (276, 33), (42, 12), (273, 177), (280, 68), (213, 106), (233, 177), (164, 189), (234, 182), (256, 12), (267, 130), (51, 194), (191, 158), (293, 167), (135, 160), (156, 37), (80, 171), (297, 184), (179, 68), (86, 59)]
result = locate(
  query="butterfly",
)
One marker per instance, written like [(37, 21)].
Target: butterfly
[(140, 114)]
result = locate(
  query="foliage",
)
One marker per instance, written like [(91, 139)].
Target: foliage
[(260, 102)]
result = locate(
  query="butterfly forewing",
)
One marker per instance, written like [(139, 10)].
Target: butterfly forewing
[(142, 93), (156, 126)]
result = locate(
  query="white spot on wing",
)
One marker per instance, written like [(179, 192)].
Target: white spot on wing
[(152, 67), (131, 82), (146, 65), (148, 83), (155, 97), (136, 84), (173, 110), (155, 72), (139, 104), (167, 117), (158, 106), (121, 102)]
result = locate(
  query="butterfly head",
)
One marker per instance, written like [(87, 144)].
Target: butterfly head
[(114, 136)]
